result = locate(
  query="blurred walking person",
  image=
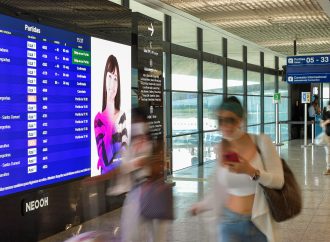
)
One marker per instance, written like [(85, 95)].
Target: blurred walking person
[(141, 165), (324, 137), (236, 198)]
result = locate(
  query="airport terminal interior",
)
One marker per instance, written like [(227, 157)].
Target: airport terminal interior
[(194, 54), (191, 184)]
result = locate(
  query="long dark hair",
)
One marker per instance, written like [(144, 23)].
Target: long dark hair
[(111, 66)]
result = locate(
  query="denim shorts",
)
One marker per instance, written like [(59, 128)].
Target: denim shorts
[(236, 227)]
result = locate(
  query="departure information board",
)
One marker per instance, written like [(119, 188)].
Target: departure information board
[(45, 83)]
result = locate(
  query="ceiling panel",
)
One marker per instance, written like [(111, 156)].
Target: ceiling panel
[(274, 24), (95, 17)]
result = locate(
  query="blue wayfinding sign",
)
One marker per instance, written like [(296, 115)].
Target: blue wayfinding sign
[(308, 69)]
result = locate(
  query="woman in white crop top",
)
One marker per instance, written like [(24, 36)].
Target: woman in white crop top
[(236, 197)]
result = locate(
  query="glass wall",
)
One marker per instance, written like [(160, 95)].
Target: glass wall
[(212, 98), (269, 106), (269, 60), (185, 151), (269, 129), (326, 94), (184, 112), (197, 86), (210, 103), (282, 62), (212, 42), (283, 88), (184, 73), (211, 139), (235, 81), (184, 33), (253, 98), (212, 77), (116, 1), (253, 54), (138, 7), (235, 49)]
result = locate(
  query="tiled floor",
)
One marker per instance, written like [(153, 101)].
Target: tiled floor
[(313, 224)]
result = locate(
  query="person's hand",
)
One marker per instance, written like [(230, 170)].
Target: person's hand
[(241, 167), (195, 209), (139, 162), (326, 122)]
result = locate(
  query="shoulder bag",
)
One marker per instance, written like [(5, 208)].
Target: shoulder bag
[(284, 203), (156, 201)]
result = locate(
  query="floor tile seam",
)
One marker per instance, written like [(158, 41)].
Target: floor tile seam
[(312, 217)]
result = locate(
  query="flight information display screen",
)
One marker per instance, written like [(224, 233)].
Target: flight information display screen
[(45, 113)]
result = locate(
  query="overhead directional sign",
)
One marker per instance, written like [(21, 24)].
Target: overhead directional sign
[(308, 69)]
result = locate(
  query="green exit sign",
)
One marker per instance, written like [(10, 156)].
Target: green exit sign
[(277, 98)]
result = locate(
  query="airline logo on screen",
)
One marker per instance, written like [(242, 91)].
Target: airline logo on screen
[(33, 205)]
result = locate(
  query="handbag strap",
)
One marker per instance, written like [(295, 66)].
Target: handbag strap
[(258, 149)]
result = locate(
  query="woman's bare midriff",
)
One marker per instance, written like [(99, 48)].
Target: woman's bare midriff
[(240, 204)]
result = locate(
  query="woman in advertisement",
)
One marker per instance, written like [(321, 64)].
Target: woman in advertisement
[(110, 124)]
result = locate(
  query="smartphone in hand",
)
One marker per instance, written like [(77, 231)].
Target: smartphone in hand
[(231, 156)]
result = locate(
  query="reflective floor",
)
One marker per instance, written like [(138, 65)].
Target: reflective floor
[(313, 224)]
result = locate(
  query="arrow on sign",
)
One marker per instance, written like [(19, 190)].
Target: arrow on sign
[(151, 29)]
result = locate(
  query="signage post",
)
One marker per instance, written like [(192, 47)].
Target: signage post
[(276, 101), (150, 76), (306, 99)]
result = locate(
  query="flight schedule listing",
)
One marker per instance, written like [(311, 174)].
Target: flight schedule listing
[(45, 85)]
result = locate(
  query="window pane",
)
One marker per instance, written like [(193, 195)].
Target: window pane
[(326, 90), (253, 55), (135, 78), (269, 60), (269, 113), (212, 77), (282, 62), (283, 88), (283, 109), (211, 139), (134, 98), (235, 49), (253, 110), (184, 33), (212, 42), (138, 7), (210, 104), (253, 83), (325, 102), (235, 81), (270, 130), (184, 73), (269, 85), (185, 151), (184, 113), (254, 129), (116, 1), (284, 132), (164, 70), (240, 98)]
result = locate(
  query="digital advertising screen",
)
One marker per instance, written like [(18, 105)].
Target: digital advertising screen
[(53, 88), (111, 104)]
